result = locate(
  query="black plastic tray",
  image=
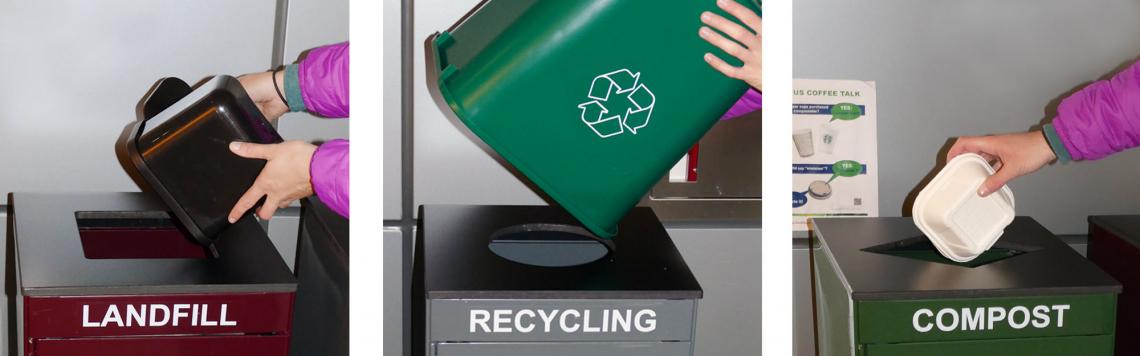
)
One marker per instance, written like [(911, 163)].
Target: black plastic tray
[(180, 147)]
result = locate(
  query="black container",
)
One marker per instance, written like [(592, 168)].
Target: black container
[(321, 325), (181, 148)]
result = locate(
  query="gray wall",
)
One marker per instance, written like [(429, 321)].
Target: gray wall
[(75, 70), (951, 68), (313, 23)]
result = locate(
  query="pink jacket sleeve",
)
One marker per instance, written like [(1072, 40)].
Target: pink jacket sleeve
[(323, 78), (329, 172), (1101, 119), (319, 84), (750, 102)]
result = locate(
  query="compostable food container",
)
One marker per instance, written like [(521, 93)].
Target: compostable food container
[(960, 223)]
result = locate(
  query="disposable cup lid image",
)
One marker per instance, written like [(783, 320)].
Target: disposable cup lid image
[(592, 101), (960, 223)]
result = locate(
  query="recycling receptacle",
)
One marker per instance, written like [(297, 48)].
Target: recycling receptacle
[(641, 300), (882, 289), (1114, 246), (591, 101)]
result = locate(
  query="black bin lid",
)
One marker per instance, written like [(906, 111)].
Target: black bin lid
[(453, 260), (1047, 266), (181, 148)]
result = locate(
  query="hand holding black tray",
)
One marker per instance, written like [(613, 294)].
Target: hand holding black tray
[(181, 148)]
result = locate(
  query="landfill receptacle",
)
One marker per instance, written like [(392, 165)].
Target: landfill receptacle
[(591, 101), (1114, 246)]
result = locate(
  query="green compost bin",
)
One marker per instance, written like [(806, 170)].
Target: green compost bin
[(591, 101), (881, 289)]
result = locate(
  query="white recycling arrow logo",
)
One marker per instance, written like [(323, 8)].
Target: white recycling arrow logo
[(638, 105)]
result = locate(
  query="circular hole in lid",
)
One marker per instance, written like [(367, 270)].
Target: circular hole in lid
[(548, 245)]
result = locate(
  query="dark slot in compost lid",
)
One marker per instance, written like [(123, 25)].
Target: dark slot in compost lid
[(180, 147)]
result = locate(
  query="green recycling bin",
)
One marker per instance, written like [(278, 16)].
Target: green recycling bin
[(591, 101)]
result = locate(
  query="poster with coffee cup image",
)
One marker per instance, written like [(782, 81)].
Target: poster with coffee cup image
[(835, 153)]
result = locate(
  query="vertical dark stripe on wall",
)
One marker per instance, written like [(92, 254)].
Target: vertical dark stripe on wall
[(407, 65), (280, 24)]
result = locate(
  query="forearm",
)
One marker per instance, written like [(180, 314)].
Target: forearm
[(1099, 120), (319, 84), (328, 170)]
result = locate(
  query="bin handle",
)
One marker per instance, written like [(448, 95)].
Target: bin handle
[(167, 92)]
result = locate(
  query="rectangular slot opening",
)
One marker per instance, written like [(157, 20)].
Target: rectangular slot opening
[(135, 235), (920, 248)]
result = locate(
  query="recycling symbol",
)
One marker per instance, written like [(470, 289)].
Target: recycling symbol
[(618, 85)]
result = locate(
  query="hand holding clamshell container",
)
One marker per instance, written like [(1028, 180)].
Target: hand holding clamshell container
[(181, 148), (961, 224), (592, 101)]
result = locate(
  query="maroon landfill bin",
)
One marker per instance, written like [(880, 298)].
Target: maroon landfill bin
[(1114, 246), (113, 274)]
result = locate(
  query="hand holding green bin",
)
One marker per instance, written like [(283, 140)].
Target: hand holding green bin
[(591, 101)]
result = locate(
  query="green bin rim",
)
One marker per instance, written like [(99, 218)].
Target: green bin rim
[(437, 84)]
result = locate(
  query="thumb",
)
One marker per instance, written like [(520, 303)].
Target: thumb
[(996, 181), (251, 150)]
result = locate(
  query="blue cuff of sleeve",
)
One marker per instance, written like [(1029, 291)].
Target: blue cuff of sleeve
[(293, 88), (1055, 143)]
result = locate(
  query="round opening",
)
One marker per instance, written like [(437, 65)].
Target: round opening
[(548, 245)]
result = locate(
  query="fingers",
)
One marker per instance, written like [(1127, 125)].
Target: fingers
[(957, 149), (968, 145), (252, 150), (991, 159), (749, 18), (246, 202), (267, 209), (272, 204), (996, 181), (728, 46), (737, 32), (723, 67)]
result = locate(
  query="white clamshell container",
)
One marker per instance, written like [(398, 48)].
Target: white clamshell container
[(961, 224)]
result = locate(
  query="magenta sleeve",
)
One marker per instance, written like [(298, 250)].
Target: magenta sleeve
[(750, 102), (1103, 118), (328, 170), (323, 78)]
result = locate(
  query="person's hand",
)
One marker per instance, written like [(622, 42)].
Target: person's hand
[(284, 179), (260, 88), (746, 48), (1012, 155)]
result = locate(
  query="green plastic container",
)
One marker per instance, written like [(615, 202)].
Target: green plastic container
[(592, 101)]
